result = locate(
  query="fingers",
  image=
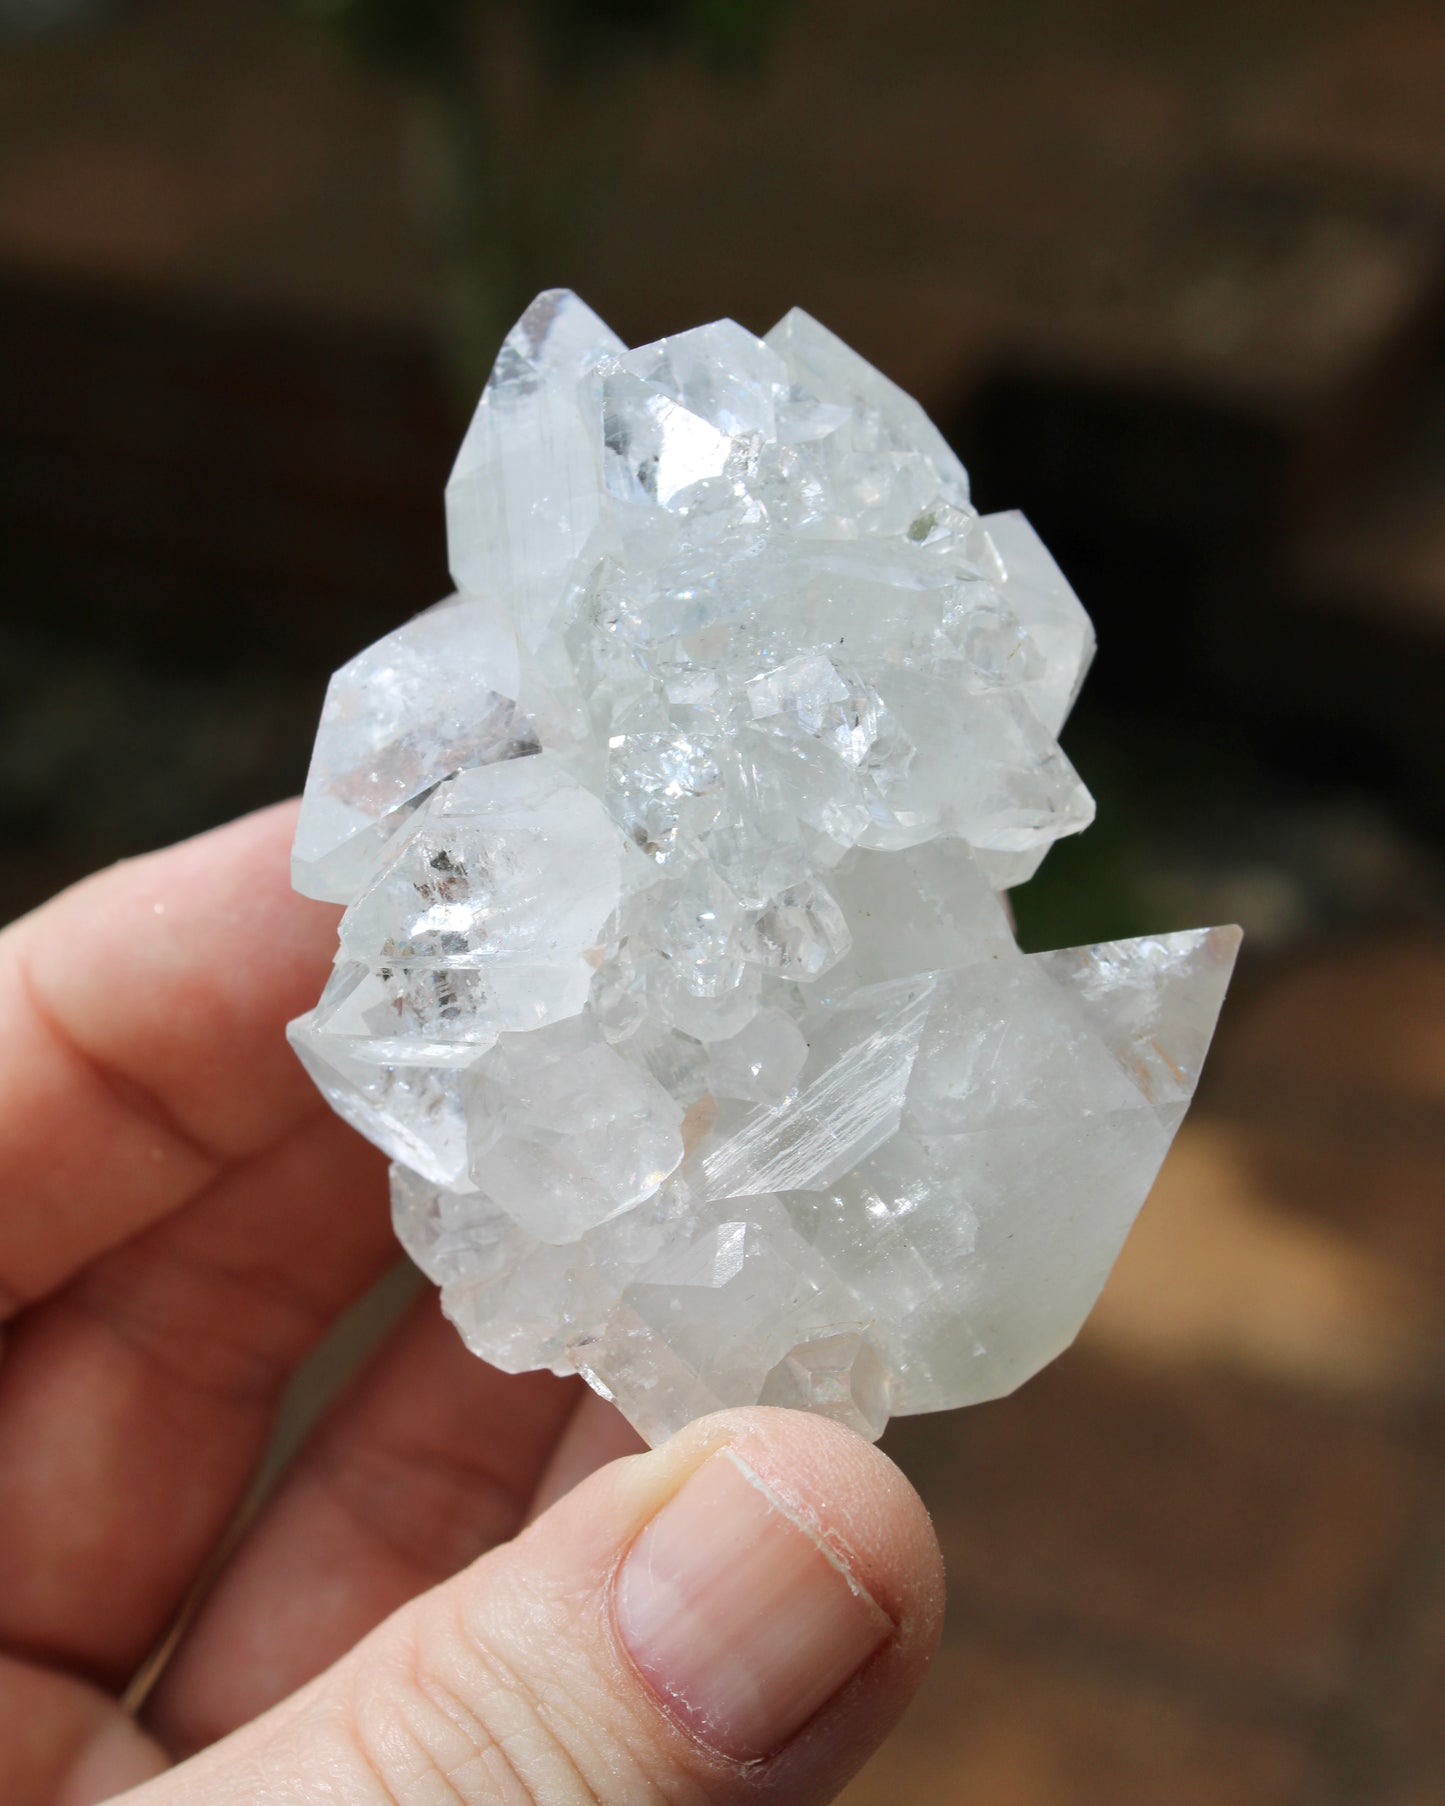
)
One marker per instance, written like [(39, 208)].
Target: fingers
[(144, 1046), (63, 1743), (429, 1459), (135, 1403), (741, 1615)]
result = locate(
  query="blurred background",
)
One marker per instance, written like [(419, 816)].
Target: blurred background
[(1172, 276)]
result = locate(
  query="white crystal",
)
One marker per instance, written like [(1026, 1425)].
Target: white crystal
[(512, 868), (839, 1374), (675, 975), (523, 498), (760, 1063), (402, 1086), (566, 1132), (436, 697), (873, 412), (1050, 614)]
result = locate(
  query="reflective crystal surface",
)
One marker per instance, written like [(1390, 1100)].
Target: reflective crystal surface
[(674, 975)]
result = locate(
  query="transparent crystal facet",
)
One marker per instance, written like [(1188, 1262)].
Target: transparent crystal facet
[(438, 696), (675, 975)]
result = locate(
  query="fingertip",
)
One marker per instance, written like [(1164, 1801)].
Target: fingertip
[(784, 1603), (845, 1491), (857, 1501)]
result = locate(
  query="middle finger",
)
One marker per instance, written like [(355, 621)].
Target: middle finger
[(135, 1403), (429, 1459)]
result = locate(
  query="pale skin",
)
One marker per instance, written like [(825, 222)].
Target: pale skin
[(181, 1219)]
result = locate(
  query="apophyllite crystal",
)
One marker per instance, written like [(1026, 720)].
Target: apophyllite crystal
[(675, 976)]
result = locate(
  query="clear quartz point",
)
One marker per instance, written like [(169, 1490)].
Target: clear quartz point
[(675, 975), (438, 696), (524, 497)]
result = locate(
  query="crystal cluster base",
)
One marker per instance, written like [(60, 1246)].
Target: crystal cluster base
[(675, 975)]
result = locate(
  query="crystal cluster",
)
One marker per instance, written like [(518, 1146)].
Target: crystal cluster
[(675, 975)]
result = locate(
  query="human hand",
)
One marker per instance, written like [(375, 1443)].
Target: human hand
[(739, 1616)]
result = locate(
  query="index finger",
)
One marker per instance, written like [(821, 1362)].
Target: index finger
[(142, 1044)]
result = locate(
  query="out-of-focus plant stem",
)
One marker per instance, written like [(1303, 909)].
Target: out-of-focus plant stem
[(524, 122)]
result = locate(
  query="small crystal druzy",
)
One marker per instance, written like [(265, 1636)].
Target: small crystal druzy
[(674, 975)]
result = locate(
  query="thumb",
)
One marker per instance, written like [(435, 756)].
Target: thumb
[(740, 1615)]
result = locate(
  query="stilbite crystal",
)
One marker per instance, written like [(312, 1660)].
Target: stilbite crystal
[(674, 974)]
